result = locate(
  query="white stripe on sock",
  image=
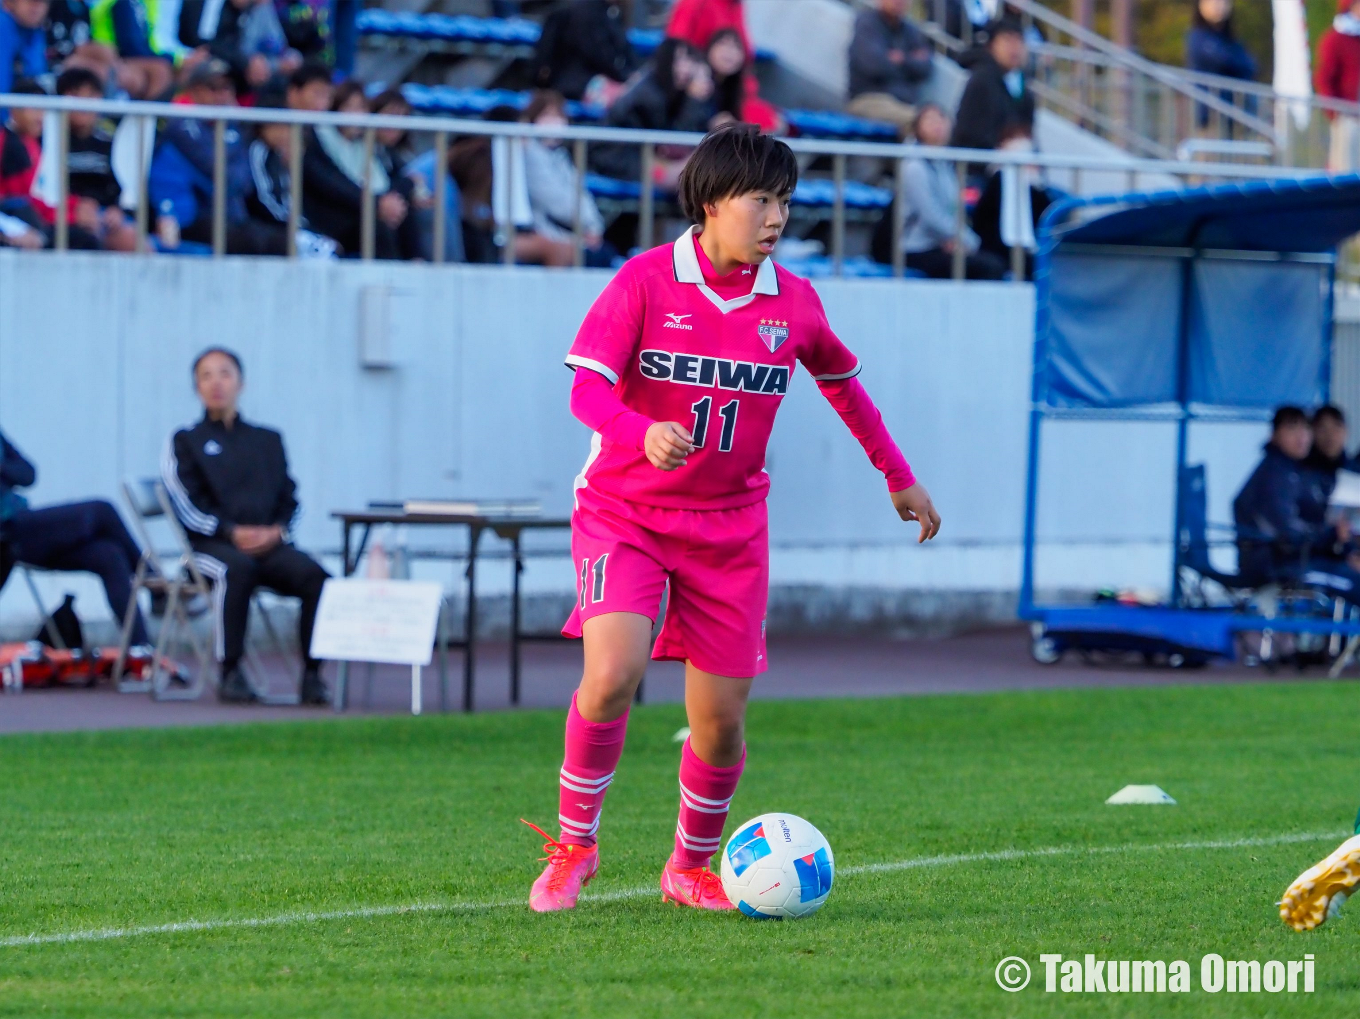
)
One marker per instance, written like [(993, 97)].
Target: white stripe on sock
[(704, 799), (602, 781)]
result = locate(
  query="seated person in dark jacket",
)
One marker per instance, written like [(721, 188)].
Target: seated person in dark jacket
[(90, 162), (180, 183), (87, 536), (890, 59), (674, 93), (333, 170), (270, 195), (987, 211), (581, 41), (1275, 540), (1327, 456), (229, 482), (997, 95)]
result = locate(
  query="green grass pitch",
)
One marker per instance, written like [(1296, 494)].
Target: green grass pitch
[(124, 830)]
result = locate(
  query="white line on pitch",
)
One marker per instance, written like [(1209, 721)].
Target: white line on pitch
[(282, 919)]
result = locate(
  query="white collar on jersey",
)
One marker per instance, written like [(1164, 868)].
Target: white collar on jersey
[(687, 270)]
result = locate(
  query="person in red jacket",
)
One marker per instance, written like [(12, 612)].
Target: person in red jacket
[(1338, 77), (20, 151), (697, 22)]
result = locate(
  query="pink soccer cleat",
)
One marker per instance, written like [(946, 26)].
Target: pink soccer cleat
[(569, 869), (700, 888)]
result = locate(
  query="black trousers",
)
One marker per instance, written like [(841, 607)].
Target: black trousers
[(236, 576), (81, 536)]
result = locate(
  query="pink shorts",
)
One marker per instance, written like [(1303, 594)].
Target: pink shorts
[(717, 563)]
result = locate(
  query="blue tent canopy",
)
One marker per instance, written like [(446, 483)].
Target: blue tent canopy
[(1312, 214), (1179, 298), (1211, 302)]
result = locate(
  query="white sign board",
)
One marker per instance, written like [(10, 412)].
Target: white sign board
[(377, 621)]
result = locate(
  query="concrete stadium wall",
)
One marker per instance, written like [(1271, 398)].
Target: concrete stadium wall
[(94, 374)]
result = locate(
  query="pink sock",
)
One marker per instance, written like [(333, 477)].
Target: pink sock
[(593, 752), (705, 793)]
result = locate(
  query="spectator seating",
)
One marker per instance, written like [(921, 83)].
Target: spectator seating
[(452, 101), (858, 267), (468, 30)]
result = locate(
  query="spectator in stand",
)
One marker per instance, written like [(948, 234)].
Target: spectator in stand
[(726, 58), (554, 190), (987, 212), (673, 93), (20, 152), (697, 22), (88, 536), (309, 88), (395, 154), (89, 160), (473, 163), (229, 482), (23, 45), (333, 170), (1213, 48), (1338, 77), (246, 34), (582, 42), (997, 96), (890, 59), (311, 27), (930, 199), (125, 27), (269, 197), (70, 44), (181, 185)]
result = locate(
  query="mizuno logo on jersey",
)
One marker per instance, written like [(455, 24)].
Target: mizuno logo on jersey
[(693, 370), (676, 321)]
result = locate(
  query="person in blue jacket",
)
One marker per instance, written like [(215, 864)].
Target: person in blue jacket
[(23, 43), (1213, 48), (1278, 538), (180, 183)]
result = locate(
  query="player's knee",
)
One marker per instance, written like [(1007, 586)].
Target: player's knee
[(607, 687), (721, 736)]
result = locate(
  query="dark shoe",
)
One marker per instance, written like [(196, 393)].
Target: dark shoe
[(234, 689), (314, 690)]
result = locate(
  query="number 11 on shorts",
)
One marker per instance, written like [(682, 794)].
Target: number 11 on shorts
[(728, 412), (592, 580)]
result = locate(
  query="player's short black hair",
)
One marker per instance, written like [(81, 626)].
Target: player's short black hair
[(735, 160), (231, 355), (1329, 410), (1004, 25), (1288, 415), (76, 78)]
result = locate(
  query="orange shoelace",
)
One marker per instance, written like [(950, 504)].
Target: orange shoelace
[(558, 858)]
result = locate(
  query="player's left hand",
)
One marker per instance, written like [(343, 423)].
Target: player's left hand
[(914, 504)]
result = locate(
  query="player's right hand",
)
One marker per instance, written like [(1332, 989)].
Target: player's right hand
[(667, 444)]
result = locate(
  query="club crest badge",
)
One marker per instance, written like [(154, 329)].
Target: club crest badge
[(774, 332)]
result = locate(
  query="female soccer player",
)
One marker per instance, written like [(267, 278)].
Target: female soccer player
[(680, 366)]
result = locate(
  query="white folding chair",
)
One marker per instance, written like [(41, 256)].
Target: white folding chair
[(177, 578), (149, 500)]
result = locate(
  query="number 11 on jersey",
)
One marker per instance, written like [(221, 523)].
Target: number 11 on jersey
[(728, 413)]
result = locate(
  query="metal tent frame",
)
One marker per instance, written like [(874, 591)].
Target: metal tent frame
[(1269, 223)]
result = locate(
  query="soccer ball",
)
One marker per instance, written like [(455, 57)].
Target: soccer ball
[(777, 866)]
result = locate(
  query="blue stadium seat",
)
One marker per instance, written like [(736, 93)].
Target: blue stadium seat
[(830, 124), (465, 28), (858, 267), (465, 101)]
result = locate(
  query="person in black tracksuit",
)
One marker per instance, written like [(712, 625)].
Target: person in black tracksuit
[(229, 482)]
